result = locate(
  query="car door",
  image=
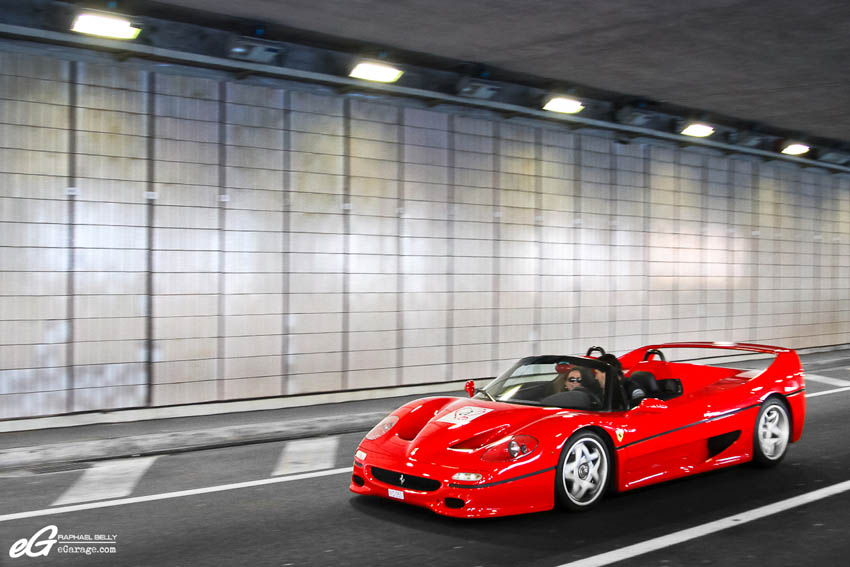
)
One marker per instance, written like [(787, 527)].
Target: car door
[(662, 440)]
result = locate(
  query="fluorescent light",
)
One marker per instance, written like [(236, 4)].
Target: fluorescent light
[(105, 26), (563, 104), (378, 72), (795, 149), (698, 130)]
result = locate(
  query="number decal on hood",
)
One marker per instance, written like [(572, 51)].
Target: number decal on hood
[(464, 415)]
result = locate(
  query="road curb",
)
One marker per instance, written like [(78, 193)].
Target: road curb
[(183, 441)]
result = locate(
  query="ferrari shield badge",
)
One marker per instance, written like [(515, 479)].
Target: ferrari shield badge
[(620, 434), (464, 415)]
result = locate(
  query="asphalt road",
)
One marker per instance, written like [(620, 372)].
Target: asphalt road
[(312, 520)]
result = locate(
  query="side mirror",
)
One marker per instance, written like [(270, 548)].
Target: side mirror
[(652, 405), (470, 387)]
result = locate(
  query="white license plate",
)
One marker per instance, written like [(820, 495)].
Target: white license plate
[(398, 494)]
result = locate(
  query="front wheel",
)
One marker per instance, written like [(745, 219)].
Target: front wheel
[(772, 433), (582, 471)]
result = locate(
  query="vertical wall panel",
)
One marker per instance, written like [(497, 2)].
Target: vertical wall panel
[(424, 246), (518, 247), (691, 254), (253, 242), (474, 249), (34, 165), (628, 268), (374, 247), (187, 241), (593, 240), (316, 278), (559, 301), (841, 260), (239, 239), (743, 220), (110, 258), (663, 240)]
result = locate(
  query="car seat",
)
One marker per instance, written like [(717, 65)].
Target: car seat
[(641, 385)]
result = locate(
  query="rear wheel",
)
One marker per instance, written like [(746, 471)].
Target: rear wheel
[(582, 471), (772, 433)]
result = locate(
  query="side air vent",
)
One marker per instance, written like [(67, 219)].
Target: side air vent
[(720, 443)]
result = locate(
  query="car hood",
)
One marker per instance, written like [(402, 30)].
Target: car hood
[(442, 424)]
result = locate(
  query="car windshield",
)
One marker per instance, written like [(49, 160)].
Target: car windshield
[(558, 381)]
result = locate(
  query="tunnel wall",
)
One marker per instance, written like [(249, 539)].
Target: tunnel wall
[(227, 239)]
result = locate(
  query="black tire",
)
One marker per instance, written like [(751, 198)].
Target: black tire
[(583, 472), (771, 433)]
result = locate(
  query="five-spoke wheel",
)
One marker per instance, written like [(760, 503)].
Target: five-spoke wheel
[(582, 471), (772, 433)]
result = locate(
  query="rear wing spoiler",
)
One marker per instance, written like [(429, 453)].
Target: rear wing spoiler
[(785, 357)]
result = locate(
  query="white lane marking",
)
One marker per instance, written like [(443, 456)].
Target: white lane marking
[(220, 488), (827, 380), (675, 538), (827, 392), (303, 455), (106, 479), (167, 495)]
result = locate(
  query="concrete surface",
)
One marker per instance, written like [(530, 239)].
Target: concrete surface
[(782, 63)]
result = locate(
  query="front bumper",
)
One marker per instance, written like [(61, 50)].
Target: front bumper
[(494, 495)]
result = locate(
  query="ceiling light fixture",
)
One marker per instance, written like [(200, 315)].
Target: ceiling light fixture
[(795, 149), (374, 71), (563, 104), (112, 27), (697, 130)]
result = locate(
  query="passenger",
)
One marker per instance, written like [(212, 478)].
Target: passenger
[(611, 361), (591, 384)]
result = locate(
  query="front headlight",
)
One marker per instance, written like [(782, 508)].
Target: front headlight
[(511, 448), (386, 424)]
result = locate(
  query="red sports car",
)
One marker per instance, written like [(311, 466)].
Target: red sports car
[(564, 429)]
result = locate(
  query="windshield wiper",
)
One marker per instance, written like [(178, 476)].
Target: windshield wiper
[(486, 393), (522, 402)]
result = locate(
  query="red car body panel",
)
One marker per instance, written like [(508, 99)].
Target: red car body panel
[(708, 426)]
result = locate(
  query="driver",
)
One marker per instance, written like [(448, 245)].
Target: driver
[(572, 379), (582, 379)]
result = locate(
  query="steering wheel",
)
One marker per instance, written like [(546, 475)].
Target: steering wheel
[(595, 348), (652, 351)]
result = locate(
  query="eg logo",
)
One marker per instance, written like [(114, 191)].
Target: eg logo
[(32, 547)]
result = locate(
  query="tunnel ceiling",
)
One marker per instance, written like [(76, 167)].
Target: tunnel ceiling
[(781, 63)]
